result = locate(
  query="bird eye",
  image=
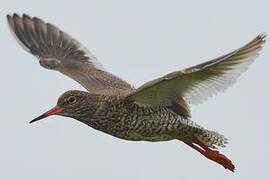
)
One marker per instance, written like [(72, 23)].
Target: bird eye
[(71, 100)]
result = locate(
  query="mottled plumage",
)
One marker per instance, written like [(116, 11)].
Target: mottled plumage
[(156, 111), (122, 118)]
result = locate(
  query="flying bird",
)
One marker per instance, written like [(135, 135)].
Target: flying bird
[(156, 111)]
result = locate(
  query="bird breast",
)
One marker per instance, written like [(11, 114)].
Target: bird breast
[(132, 122)]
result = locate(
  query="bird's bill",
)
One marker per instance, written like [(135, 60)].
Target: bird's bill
[(54, 111)]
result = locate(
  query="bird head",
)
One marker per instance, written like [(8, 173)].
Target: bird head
[(71, 104)]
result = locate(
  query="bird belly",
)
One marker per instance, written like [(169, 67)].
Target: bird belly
[(144, 128), (143, 124)]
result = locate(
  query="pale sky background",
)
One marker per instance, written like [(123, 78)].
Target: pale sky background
[(137, 40)]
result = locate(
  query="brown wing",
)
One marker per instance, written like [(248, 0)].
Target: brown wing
[(197, 83), (57, 50)]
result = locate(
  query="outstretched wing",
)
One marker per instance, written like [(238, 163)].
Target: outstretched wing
[(57, 50), (197, 83)]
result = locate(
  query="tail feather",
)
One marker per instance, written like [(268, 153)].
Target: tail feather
[(212, 139)]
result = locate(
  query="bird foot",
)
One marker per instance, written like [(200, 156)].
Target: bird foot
[(213, 155)]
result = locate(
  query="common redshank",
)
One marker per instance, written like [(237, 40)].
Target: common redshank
[(156, 111)]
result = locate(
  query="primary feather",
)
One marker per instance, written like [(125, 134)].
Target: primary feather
[(57, 50), (197, 83)]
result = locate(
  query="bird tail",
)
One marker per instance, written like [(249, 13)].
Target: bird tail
[(212, 139), (207, 142)]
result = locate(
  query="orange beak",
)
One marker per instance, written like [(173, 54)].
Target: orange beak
[(54, 111)]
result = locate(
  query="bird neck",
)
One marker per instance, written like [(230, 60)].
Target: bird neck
[(98, 111), (96, 107)]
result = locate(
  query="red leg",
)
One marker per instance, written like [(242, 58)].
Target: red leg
[(213, 155)]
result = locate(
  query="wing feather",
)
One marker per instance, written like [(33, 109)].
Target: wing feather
[(197, 83), (57, 50)]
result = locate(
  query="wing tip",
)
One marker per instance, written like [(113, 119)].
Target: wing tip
[(12, 16), (15, 14), (262, 37)]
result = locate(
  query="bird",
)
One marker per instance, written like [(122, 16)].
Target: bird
[(158, 110)]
